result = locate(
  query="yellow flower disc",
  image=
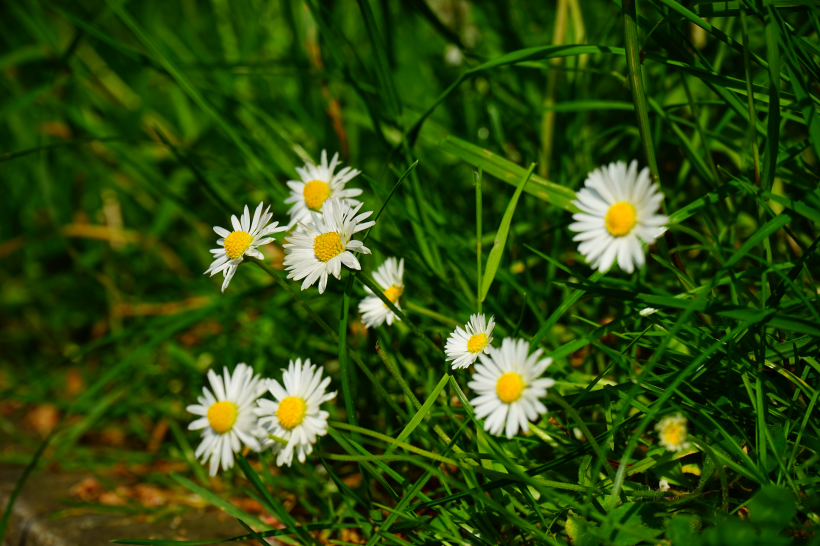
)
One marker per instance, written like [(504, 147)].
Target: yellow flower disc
[(674, 433), (394, 293), (291, 412), (316, 192), (222, 416), (237, 243), (327, 245), (477, 343), (509, 387), (620, 219)]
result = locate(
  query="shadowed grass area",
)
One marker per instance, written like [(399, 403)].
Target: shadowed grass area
[(131, 128)]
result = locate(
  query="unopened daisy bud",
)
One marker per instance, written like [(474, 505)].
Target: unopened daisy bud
[(465, 344), (294, 415), (242, 241), (509, 385), (227, 417), (318, 184), (319, 248), (390, 278), (618, 207), (672, 432)]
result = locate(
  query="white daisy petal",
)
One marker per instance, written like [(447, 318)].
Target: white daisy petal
[(508, 385), (229, 419), (673, 432), (618, 203), (296, 417), (247, 236), (318, 184), (389, 277), (321, 245), (464, 346)]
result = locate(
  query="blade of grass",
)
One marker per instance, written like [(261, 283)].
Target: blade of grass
[(478, 226), (773, 124), (497, 251), (219, 502)]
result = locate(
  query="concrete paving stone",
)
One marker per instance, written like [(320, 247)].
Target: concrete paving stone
[(41, 517)]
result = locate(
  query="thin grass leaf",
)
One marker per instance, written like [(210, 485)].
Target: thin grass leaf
[(767, 170), (497, 251), (219, 502), (509, 172)]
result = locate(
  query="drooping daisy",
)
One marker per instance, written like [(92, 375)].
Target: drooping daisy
[(389, 276), (672, 432), (509, 385), (321, 247), (247, 234), (227, 417), (618, 207), (318, 184), (295, 415), (465, 344)]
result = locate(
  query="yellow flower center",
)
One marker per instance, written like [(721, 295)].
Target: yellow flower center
[(328, 245), (291, 412), (674, 433), (237, 243), (620, 219), (394, 293), (477, 343), (316, 192), (509, 387), (222, 416)]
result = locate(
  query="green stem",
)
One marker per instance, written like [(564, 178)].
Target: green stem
[(432, 314), (388, 439), (558, 399), (747, 66), (478, 227), (333, 335), (453, 462), (344, 368), (408, 392), (379, 292), (696, 118), (359, 458), (633, 65)]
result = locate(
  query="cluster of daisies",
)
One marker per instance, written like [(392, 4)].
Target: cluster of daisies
[(618, 216), (235, 412)]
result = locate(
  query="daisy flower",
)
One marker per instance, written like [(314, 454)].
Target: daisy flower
[(247, 234), (672, 432), (465, 344), (618, 206), (322, 246), (389, 277), (227, 417), (509, 385), (295, 415), (318, 183)]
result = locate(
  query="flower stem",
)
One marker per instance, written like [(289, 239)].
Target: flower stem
[(394, 371), (432, 314), (379, 292), (333, 335), (453, 462)]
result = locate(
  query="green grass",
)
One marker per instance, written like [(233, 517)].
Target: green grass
[(131, 128)]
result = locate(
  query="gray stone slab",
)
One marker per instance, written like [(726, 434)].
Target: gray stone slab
[(33, 521)]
